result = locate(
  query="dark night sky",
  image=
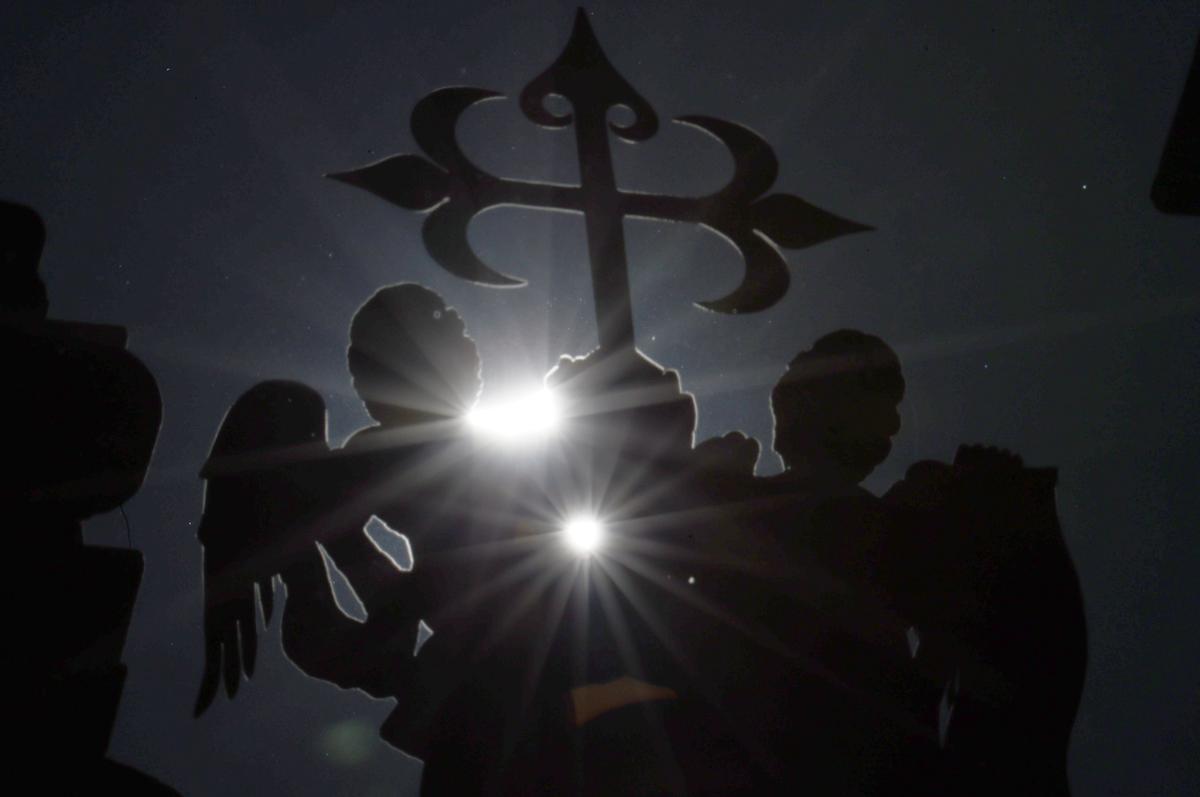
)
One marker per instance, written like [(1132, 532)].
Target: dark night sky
[(1004, 154)]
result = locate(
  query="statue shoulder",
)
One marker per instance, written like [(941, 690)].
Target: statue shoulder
[(734, 454)]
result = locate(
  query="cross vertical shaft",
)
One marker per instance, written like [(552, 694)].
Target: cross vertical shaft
[(605, 232)]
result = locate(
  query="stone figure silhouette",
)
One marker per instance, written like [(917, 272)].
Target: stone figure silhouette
[(886, 645), (277, 496), (935, 636), (625, 693), (984, 572), (739, 635), (513, 708), (85, 416), (736, 634), (824, 694)]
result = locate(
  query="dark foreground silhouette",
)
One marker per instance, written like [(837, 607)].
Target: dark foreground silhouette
[(1176, 187), (85, 416)]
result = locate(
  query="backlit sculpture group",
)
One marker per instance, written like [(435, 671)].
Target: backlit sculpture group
[(616, 608)]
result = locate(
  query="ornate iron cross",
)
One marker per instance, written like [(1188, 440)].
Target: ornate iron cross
[(456, 190)]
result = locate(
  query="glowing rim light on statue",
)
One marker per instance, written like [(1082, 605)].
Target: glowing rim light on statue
[(583, 534), (533, 415)]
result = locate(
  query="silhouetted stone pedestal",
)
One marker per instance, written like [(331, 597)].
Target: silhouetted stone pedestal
[(1177, 185), (84, 416)]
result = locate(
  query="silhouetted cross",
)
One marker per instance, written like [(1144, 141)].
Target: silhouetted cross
[(457, 190)]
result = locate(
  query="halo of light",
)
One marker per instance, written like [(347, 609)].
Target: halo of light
[(583, 534), (533, 415)]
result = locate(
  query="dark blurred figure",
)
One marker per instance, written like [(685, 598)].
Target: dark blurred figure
[(979, 563), (936, 636), (836, 698), (83, 417), (1176, 186)]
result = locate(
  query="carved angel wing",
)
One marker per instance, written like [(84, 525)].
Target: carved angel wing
[(258, 505)]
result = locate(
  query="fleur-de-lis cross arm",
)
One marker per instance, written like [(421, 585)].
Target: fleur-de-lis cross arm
[(455, 189)]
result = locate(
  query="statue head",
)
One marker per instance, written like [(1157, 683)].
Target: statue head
[(411, 358), (22, 235), (836, 405)]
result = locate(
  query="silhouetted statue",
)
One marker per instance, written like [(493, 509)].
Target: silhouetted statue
[(937, 635), (510, 703), (987, 577), (84, 416), (277, 495), (823, 692), (609, 688)]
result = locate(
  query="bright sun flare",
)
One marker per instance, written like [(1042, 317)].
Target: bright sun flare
[(533, 415), (583, 534)]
